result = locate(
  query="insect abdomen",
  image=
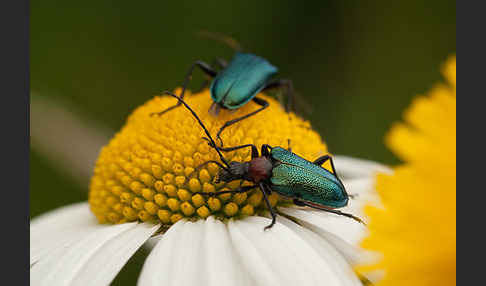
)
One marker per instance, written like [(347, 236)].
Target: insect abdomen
[(241, 80), (294, 182), (296, 177)]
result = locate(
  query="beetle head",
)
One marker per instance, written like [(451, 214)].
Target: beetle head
[(214, 109)]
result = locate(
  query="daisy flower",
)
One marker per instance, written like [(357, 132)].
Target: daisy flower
[(416, 229), (143, 190)]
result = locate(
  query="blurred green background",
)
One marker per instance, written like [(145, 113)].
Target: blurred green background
[(358, 63)]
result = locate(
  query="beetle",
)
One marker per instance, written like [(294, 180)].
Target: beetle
[(237, 83), (282, 171)]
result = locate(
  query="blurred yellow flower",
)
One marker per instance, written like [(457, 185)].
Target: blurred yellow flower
[(144, 172), (416, 229)]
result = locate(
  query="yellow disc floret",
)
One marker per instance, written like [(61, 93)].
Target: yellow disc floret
[(147, 171)]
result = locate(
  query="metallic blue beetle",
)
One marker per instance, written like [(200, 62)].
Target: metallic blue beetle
[(278, 169), (237, 83)]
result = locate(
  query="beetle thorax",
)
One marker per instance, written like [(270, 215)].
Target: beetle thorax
[(260, 169)]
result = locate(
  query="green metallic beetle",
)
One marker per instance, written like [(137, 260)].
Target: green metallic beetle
[(237, 83), (279, 170)]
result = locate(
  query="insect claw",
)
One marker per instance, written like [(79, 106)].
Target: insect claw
[(210, 143), (268, 227), (361, 221), (210, 194), (349, 215), (274, 216), (220, 140), (357, 219), (353, 196)]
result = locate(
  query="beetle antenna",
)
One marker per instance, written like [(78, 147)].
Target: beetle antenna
[(202, 125), (230, 42)]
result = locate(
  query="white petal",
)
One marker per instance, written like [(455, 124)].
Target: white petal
[(157, 267), (345, 228), (279, 256), (364, 193), (63, 264), (360, 186), (253, 260), (343, 233), (197, 253), (223, 265), (185, 265), (329, 254), (105, 264), (60, 215), (349, 167), (59, 228)]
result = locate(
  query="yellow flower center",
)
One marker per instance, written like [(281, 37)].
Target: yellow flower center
[(144, 172)]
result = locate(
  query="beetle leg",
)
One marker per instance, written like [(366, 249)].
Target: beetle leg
[(321, 160), (293, 97), (269, 206), (334, 170), (207, 69), (297, 202), (290, 91), (263, 103), (254, 150), (346, 215), (206, 163), (203, 86), (221, 63), (353, 196), (322, 208), (243, 189), (266, 150)]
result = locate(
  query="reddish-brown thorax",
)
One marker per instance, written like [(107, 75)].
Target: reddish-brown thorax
[(260, 168)]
